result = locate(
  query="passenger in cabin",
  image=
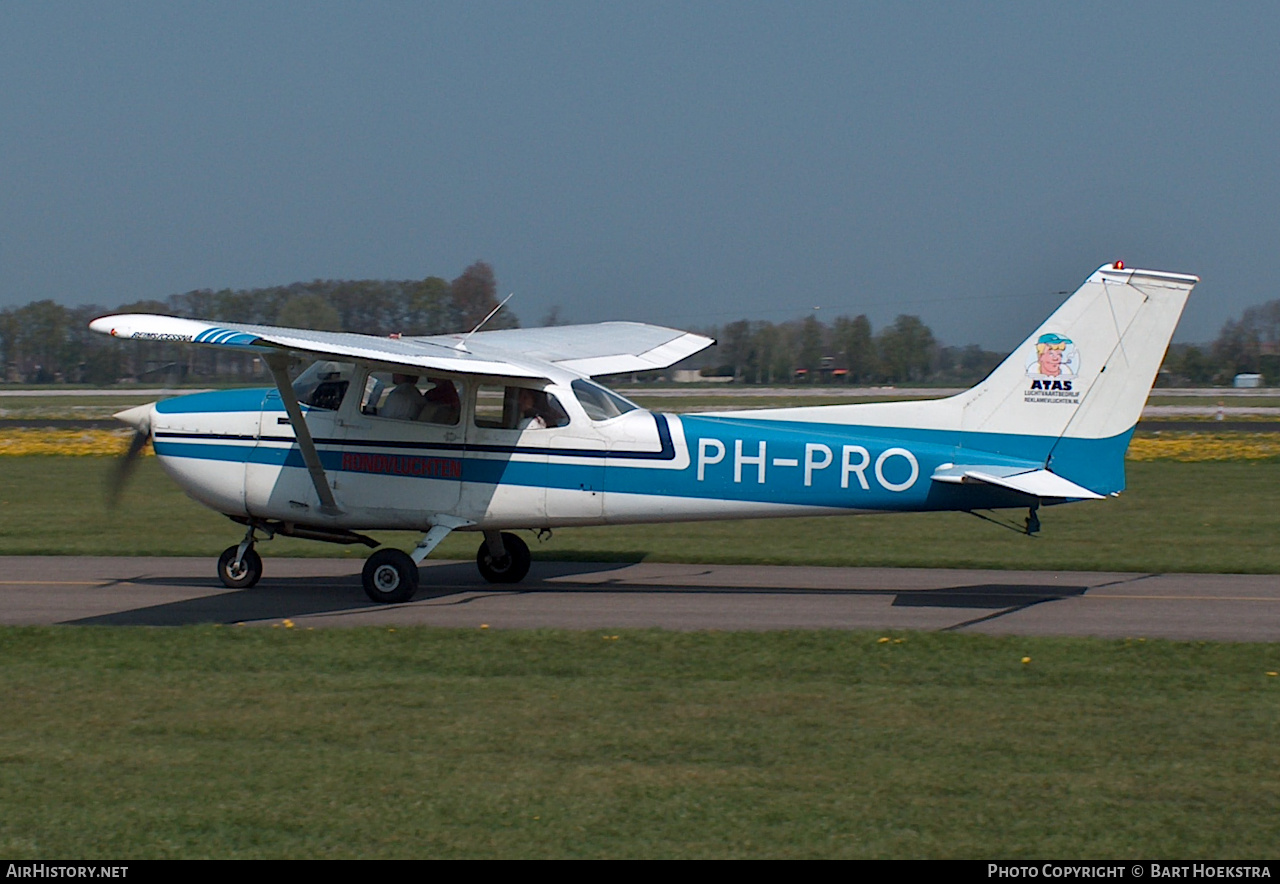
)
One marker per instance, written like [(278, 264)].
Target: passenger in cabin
[(404, 403), (443, 405)]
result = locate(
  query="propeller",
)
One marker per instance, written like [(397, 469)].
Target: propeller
[(139, 418)]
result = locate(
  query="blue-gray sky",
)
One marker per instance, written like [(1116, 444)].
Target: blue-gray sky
[(681, 163)]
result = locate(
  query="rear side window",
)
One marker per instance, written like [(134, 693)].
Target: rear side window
[(408, 397)]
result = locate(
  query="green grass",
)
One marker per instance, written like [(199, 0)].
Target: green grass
[(1265, 422), (1215, 517), (15, 408), (1210, 401), (246, 742)]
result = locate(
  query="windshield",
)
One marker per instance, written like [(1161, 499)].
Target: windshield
[(599, 403), (324, 384)]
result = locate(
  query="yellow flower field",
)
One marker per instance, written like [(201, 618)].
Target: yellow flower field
[(1178, 446), (72, 442), (1197, 447)]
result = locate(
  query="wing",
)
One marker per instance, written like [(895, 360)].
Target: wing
[(605, 348), (590, 350)]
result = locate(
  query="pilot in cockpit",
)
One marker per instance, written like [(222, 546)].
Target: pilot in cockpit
[(538, 410)]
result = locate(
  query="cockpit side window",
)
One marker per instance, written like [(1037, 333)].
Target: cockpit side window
[(599, 403), (324, 384), (518, 408)]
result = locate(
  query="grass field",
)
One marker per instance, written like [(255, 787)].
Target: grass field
[(253, 742), (244, 742), (1217, 517)]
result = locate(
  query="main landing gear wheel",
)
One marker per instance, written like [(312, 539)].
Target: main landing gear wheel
[(390, 576), (511, 568), (241, 576)]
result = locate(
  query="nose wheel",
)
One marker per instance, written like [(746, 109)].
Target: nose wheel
[(239, 570)]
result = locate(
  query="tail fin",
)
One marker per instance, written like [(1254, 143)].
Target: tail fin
[(1083, 376), (1086, 371)]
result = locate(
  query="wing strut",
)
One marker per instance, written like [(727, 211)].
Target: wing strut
[(279, 365)]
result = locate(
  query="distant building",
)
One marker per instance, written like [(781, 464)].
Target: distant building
[(693, 376), (1247, 381)]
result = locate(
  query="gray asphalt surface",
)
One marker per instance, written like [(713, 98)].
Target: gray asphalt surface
[(327, 592)]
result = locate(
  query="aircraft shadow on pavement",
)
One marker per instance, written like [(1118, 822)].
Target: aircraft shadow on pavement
[(987, 595), (276, 598), (288, 597)]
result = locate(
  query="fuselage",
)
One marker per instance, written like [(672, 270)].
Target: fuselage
[(236, 452)]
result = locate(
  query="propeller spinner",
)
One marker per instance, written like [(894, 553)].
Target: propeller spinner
[(138, 417)]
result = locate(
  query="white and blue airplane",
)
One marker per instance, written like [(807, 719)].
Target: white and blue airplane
[(502, 430)]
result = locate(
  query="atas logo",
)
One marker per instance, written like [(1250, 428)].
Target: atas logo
[(1054, 369), (1054, 364)]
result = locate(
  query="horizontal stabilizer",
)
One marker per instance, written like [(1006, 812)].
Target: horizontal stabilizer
[(1028, 480)]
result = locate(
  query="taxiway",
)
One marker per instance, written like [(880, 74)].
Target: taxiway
[(326, 593)]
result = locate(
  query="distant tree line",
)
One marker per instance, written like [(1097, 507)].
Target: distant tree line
[(1249, 345), (847, 351), (45, 342)]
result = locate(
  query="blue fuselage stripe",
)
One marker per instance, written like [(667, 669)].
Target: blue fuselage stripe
[(882, 482), (729, 458)]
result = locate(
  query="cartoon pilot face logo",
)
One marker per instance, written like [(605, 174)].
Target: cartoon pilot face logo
[(1055, 358)]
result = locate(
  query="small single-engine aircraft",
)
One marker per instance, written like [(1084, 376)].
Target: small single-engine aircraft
[(502, 430)]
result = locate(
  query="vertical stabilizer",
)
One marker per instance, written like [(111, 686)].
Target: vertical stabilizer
[(1083, 376), (1086, 371)]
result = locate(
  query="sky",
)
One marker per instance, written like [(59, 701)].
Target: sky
[(688, 164)]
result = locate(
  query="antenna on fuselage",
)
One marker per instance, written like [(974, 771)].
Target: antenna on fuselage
[(462, 345)]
